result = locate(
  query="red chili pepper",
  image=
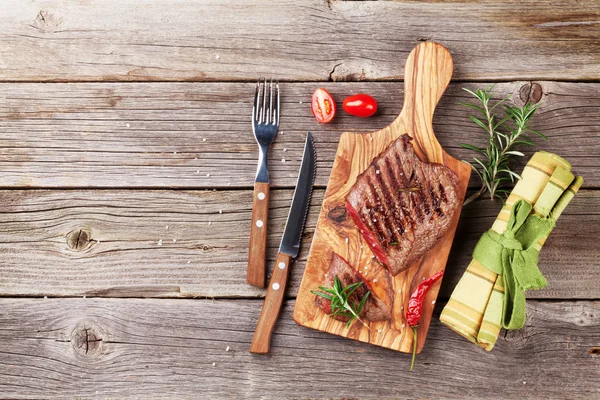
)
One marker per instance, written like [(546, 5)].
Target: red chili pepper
[(415, 308)]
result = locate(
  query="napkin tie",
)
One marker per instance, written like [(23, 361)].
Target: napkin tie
[(512, 255)]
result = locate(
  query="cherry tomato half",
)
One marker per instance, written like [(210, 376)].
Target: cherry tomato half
[(360, 105), (322, 106)]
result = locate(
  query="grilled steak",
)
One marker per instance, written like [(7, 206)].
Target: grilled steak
[(373, 310), (403, 206)]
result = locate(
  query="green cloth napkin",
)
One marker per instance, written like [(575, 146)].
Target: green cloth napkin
[(491, 293)]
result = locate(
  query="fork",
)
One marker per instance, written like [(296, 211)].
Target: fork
[(265, 123)]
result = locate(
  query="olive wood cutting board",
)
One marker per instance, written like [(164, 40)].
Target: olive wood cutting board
[(427, 74)]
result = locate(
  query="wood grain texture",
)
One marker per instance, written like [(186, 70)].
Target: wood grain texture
[(106, 243), (428, 72), (261, 341), (257, 247), (189, 135), (88, 348), (60, 40)]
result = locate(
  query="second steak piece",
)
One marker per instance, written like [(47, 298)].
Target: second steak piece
[(403, 206), (374, 309)]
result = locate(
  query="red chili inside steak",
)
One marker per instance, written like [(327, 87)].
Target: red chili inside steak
[(403, 206), (374, 309)]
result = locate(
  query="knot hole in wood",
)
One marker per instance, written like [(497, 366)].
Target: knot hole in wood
[(337, 214), (47, 20), (79, 239), (530, 93), (86, 339)]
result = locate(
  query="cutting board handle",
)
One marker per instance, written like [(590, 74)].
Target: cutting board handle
[(427, 73)]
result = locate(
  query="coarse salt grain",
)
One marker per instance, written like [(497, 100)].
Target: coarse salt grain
[(209, 223), (361, 246), (227, 348), (220, 211), (160, 242), (208, 175), (379, 330), (189, 262), (174, 240), (198, 171), (403, 325), (346, 240), (127, 125), (167, 227), (217, 56), (377, 172), (374, 280), (433, 302), (214, 364), (204, 139), (283, 160), (284, 149)]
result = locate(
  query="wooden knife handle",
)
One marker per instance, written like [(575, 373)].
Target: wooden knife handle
[(261, 342), (255, 274)]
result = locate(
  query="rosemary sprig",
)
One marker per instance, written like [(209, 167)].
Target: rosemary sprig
[(341, 303), (504, 134)]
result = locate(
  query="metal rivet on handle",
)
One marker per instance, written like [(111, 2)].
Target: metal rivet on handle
[(281, 265), (275, 286), (259, 223), (261, 196)]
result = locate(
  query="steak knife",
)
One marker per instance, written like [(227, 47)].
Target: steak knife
[(288, 249)]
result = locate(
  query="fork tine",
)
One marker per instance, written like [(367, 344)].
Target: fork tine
[(270, 120), (255, 105), (261, 107), (263, 111), (278, 104)]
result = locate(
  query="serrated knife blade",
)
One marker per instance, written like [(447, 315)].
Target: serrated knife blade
[(290, 242)]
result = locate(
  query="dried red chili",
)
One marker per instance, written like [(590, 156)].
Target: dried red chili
[(415, 308)]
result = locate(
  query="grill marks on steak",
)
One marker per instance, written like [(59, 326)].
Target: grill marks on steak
[(403, 206), (374, 309)]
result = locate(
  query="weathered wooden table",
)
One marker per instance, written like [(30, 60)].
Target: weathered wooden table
[(127, 162)]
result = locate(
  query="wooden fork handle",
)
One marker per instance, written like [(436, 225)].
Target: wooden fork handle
[(261, 342), (255, 274)]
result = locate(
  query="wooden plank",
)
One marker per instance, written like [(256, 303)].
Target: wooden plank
[(199, 135), (84, 348), (106, 243), (59, 40)]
